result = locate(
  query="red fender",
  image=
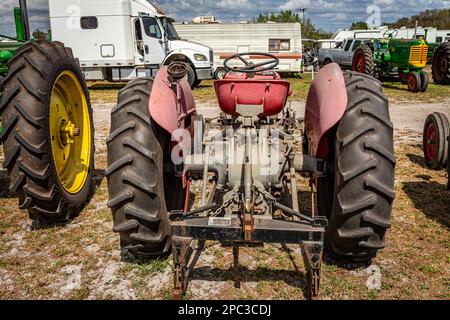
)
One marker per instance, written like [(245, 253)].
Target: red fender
[(165, 108), (325, 107)]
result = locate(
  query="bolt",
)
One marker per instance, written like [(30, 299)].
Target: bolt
[(76, 132)]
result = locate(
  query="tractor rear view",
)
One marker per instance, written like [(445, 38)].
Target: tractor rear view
[(46, 126), (380, 57), (249, 161)]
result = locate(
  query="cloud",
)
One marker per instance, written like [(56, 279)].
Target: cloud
[(295, 4), (326, 14)]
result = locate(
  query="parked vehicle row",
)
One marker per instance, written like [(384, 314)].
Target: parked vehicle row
[(125, 39)]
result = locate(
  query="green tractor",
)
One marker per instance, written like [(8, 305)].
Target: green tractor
[(382, 57), (46, 126)]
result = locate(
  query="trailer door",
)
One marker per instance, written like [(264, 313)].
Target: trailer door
[(153, 41)]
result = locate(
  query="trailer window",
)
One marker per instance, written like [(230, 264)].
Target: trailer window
[(279, 45), (89, 23), (151, 27)]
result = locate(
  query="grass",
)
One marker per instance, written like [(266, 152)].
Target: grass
[(414, 265), (396, 92)]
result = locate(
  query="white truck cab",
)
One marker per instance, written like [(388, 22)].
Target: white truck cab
[(120, 40)]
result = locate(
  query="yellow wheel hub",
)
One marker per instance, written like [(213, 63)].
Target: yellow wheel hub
[(70, 132)]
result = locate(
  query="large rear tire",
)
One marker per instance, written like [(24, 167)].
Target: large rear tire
[(358, 191), (441, 64), (141, 192), (48, 132)]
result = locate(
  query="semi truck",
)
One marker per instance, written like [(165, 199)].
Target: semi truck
[(119, 40)]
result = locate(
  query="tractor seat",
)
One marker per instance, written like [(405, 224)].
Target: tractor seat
[(264, 75), (261, 96)]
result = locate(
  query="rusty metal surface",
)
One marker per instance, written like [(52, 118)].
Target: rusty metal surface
[(264, 230), (170, 104), (325, 106)]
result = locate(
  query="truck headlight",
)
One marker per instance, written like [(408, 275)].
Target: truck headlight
[(200, 57)]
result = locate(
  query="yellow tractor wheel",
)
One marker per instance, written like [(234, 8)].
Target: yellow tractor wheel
[(48, 132)]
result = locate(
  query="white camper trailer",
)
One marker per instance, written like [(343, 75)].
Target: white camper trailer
[(124, 39), (284, 40)]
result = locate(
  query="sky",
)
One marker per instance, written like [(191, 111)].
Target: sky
[(326, 14)]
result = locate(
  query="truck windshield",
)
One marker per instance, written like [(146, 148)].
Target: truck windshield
[(172, 33)]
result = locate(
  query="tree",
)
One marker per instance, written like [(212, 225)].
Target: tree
[(437, 18), (308, 28), (359, 26), (40, 35)]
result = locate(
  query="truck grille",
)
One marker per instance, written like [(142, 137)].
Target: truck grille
[(418, 56), (211, 56)]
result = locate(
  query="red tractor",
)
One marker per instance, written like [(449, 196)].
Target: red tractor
[(249, 160)]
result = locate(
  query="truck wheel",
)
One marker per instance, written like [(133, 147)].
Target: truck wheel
[(414, 82), (435, 144), (358, 192), (138, 150), (441, 64), (191, 76), (363, 60), (48, 132), (424, 80), (220, 73)]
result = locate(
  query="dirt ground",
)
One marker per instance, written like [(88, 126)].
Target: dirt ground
[(81, 260)]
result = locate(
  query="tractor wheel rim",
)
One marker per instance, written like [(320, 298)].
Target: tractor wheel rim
[(431, 139), (221, 74), (361, 63), (70, 132)]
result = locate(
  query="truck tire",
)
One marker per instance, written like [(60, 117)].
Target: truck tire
[(191, 76), (435, 144), (137, 151), (363, 60), (220, 73), (358, 192), (441, 64), (50, 162)]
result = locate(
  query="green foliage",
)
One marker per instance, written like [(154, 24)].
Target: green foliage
[(359, 26), (40, 35), (437, 18), (308, 28)]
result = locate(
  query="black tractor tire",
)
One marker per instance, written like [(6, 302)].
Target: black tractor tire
[(448, 163), (138, 151), (424, 80), (441, 64), (363, 54), (414, 82), (435, 144), (358, 192), (26, 138), (403, 77)]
